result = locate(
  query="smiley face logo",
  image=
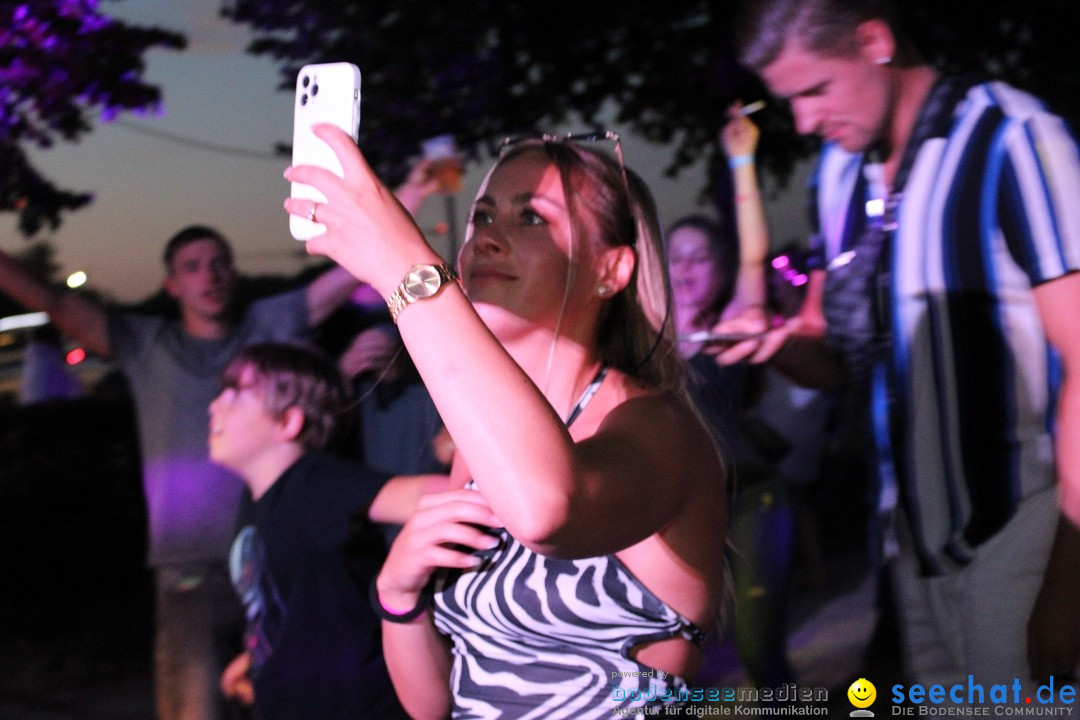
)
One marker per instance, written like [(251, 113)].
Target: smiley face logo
[(862, 693)]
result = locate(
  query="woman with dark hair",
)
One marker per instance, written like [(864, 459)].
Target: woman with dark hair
[(703, 259), (575, 565), (716, 274)]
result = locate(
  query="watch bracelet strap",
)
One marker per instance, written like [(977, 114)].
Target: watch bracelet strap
[(399, 300), (396, 302)]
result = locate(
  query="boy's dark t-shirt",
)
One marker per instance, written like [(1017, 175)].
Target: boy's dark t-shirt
[(302, 573)]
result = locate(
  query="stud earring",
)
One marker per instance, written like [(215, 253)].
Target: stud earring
[(603, 291), (884, 60)]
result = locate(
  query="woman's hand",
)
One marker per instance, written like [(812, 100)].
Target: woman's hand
[(739, 135), (443, 532), (368, 232), (754, 323)]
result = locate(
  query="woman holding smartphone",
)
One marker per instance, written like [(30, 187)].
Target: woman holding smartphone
[(580, 557), (718, 273)]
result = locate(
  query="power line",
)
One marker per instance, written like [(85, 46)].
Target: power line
[(197, 144)]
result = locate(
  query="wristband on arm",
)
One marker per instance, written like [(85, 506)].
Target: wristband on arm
[(740, 160), (395, 616)]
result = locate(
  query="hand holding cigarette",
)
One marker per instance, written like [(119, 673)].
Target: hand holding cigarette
[(739, 136), (747, 110)]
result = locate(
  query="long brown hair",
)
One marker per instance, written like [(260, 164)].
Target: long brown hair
[(635, 335)]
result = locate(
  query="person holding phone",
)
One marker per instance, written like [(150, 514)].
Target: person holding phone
[(588, 506), (718, 272), (718, 279)]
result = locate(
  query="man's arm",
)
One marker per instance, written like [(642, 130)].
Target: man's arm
[(236, 680), (1054, 626), (73, 314), (326, 293)]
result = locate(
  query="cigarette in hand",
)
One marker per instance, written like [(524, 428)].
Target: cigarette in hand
[(751, 108)]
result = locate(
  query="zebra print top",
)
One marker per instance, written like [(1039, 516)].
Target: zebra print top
[(549, 638)]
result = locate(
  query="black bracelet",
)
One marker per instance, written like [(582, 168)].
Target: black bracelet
[(382, 612)]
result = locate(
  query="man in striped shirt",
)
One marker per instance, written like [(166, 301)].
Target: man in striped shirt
[(950, 209)]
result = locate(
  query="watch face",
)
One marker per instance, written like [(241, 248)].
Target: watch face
[(423, 281)]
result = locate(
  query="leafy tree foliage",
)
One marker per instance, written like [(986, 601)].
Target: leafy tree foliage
[(483, 69), (60, 60), (1031, 44)]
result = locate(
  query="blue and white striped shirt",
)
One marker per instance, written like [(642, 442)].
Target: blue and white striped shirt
[(991, 208)]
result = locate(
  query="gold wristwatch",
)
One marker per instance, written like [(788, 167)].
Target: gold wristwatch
[(421, 283)]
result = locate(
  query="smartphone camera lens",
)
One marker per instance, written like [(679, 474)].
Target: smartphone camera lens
[(306, 81), (314, 90), (303, 99)]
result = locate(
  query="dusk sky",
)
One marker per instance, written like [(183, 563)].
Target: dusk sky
[(226, 104)]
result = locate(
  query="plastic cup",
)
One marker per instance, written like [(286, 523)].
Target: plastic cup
[(446, 164)]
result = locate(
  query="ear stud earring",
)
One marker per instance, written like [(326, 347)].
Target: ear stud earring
[(603, 291)]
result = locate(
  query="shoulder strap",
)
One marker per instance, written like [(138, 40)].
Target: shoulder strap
[(587, 395)]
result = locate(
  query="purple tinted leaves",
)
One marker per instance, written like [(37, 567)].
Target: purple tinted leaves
[(62, 62)]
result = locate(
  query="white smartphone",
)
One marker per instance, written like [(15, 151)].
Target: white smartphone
[(325, 93)]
